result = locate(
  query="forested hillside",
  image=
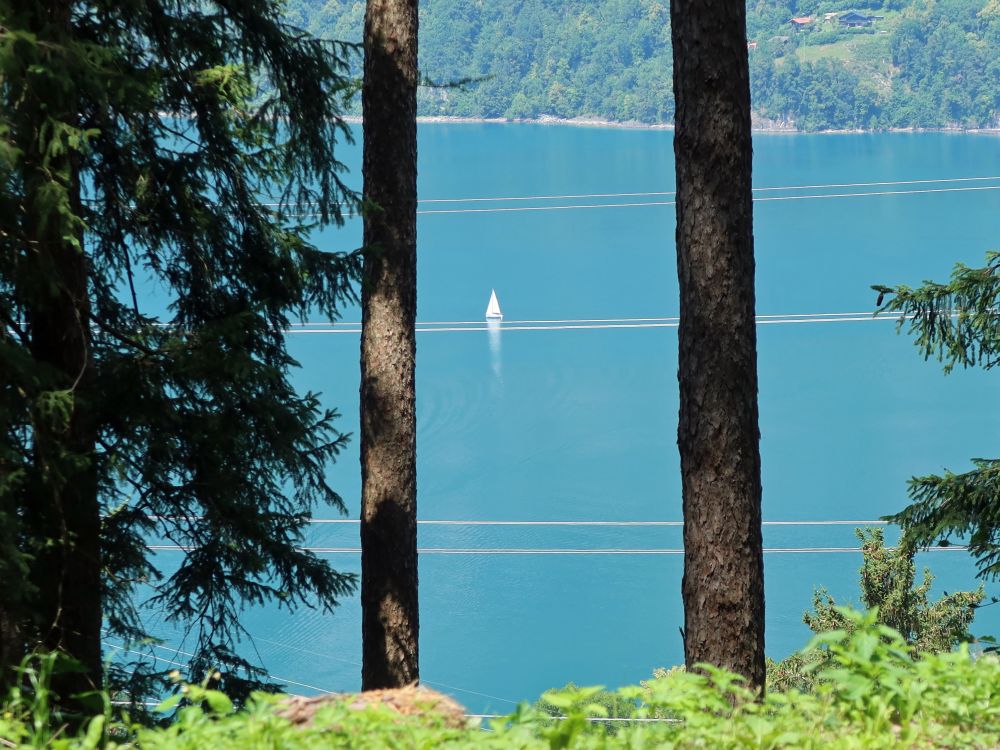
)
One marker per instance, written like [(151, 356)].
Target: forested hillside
[(892, 64)]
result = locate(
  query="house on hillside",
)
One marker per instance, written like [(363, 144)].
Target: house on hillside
[(800, 22), (751, 46), (854, 20)]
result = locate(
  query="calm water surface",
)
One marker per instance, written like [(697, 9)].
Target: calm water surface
[(579, 425)]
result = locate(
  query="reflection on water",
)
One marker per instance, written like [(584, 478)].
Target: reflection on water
[(493, 328)]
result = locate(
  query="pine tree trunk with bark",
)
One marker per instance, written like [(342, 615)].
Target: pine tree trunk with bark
[(63, 510), (390, 624), (64, 507), (718, 433)]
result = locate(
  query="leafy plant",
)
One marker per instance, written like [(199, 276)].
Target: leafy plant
[(32, 717), (606, 708), (888, 588), (871, 693)]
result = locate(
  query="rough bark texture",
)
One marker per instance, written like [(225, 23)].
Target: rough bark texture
[(63, 508), (388, 347), (718, 433)]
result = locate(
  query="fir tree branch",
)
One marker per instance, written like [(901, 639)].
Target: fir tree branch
[(958, 322)]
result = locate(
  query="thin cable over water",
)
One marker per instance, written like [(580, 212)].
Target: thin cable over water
[(488, 522), (584, 324), (171, 662), (658, 193), (570, 551), (435, 522), (672, 192), (867, 314), (286, 680), (818, 196)]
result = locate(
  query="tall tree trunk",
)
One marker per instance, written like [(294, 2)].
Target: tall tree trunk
[(390, 622), (718, 433), (11, 647), (13, 567), (62, 513)]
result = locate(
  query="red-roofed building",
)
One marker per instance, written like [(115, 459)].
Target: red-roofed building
[(801, 21)]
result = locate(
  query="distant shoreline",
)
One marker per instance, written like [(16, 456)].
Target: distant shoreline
[(582, 122), (586, 122)]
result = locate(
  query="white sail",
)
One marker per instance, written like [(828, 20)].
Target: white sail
[(493, 309)]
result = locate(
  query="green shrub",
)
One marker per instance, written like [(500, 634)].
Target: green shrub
[(870, 693), (609, 706), (888, 585), (31, 718)]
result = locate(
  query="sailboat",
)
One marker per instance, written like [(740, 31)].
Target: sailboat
[(493, 308)]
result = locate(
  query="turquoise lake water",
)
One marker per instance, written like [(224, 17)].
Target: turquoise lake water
[(579, 424)]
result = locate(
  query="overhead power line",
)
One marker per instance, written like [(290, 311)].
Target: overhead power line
[(285, 680), (423, 680), (567, 551), (592, 719), (866, 314), (584, 324), (634, 204), (174, 663), (433, 522), (659, 193), (651, 194), (486, 522), (654, 194)]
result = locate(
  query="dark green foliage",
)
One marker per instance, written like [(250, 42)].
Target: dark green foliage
[(888, 589), (188, 118), (926, 64), (603, 58), (957, 323)]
